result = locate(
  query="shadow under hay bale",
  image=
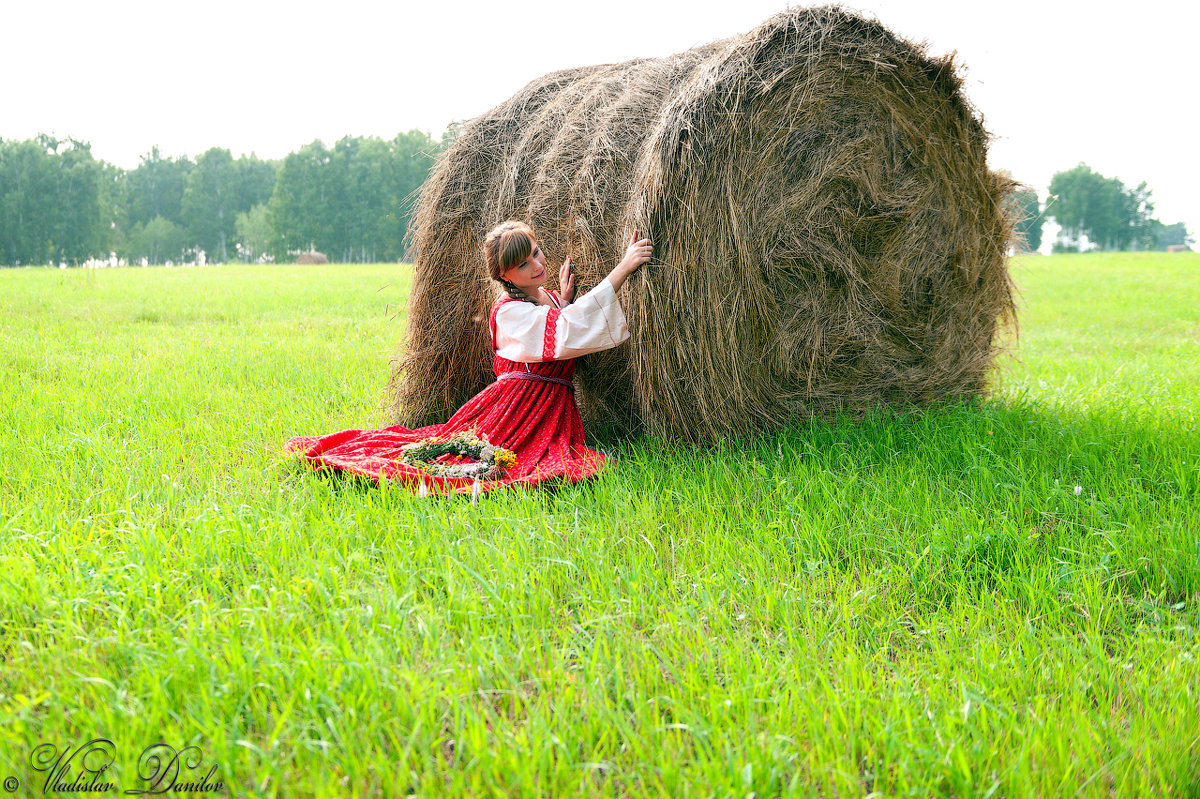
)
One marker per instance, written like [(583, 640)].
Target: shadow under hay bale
[(827, 233)]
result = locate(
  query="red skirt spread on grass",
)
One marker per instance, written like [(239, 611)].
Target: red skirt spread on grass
[(534, 417)]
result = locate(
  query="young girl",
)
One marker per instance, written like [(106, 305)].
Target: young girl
[(530, 409)]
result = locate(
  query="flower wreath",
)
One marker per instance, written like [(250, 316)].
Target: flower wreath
[(490, 461)]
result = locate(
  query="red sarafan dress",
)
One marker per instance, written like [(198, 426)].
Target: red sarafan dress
[(530, 409)]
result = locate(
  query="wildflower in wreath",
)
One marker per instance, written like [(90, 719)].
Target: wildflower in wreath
[(489, 462)]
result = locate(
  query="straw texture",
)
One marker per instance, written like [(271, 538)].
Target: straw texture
[(828, 235)]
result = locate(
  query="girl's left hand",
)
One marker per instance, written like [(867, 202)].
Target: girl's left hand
[(566, 281)]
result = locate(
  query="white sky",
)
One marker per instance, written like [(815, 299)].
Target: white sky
[(1111, 85)]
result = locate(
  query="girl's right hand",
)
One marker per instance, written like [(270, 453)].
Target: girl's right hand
[(639, 252)]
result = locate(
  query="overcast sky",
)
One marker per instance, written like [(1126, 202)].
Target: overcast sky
[(1057, 82)]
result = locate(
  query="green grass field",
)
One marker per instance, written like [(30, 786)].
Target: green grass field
[(1000, 599)]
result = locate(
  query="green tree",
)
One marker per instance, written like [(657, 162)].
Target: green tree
[(379, 181), (155, 188), (352, 202), (1113, 217), (209, 204), (255, 239), (26, 201), (80, 226), (360, 178), (1163, 236), (158, 241), (414, 155), (1139, 212), (114, 199), (1026, 212), (51, 204), (299, 206), (256, 181)]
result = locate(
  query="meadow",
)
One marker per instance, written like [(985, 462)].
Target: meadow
[(993, 599)]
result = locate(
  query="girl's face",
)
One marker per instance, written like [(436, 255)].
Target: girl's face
[(529, 274)]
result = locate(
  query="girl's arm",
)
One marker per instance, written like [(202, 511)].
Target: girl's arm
[(529, 333), (638, 253)]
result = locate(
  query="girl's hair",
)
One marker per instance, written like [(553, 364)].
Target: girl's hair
[(508, 245)]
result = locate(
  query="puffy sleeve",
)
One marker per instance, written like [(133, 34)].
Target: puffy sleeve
[(530, 333)]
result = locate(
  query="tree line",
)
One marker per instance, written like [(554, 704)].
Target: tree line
[(60, 205), (1093, 212)]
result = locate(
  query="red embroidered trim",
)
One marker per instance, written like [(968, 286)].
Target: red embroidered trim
[(492, 321), (548, 340)]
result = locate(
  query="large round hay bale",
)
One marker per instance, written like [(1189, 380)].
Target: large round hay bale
[(312, 257), (827, 233)]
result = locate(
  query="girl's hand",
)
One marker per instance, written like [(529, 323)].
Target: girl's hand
[(566, 281), (639, 252)]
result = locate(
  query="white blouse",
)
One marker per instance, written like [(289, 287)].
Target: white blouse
[(529, 333)]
